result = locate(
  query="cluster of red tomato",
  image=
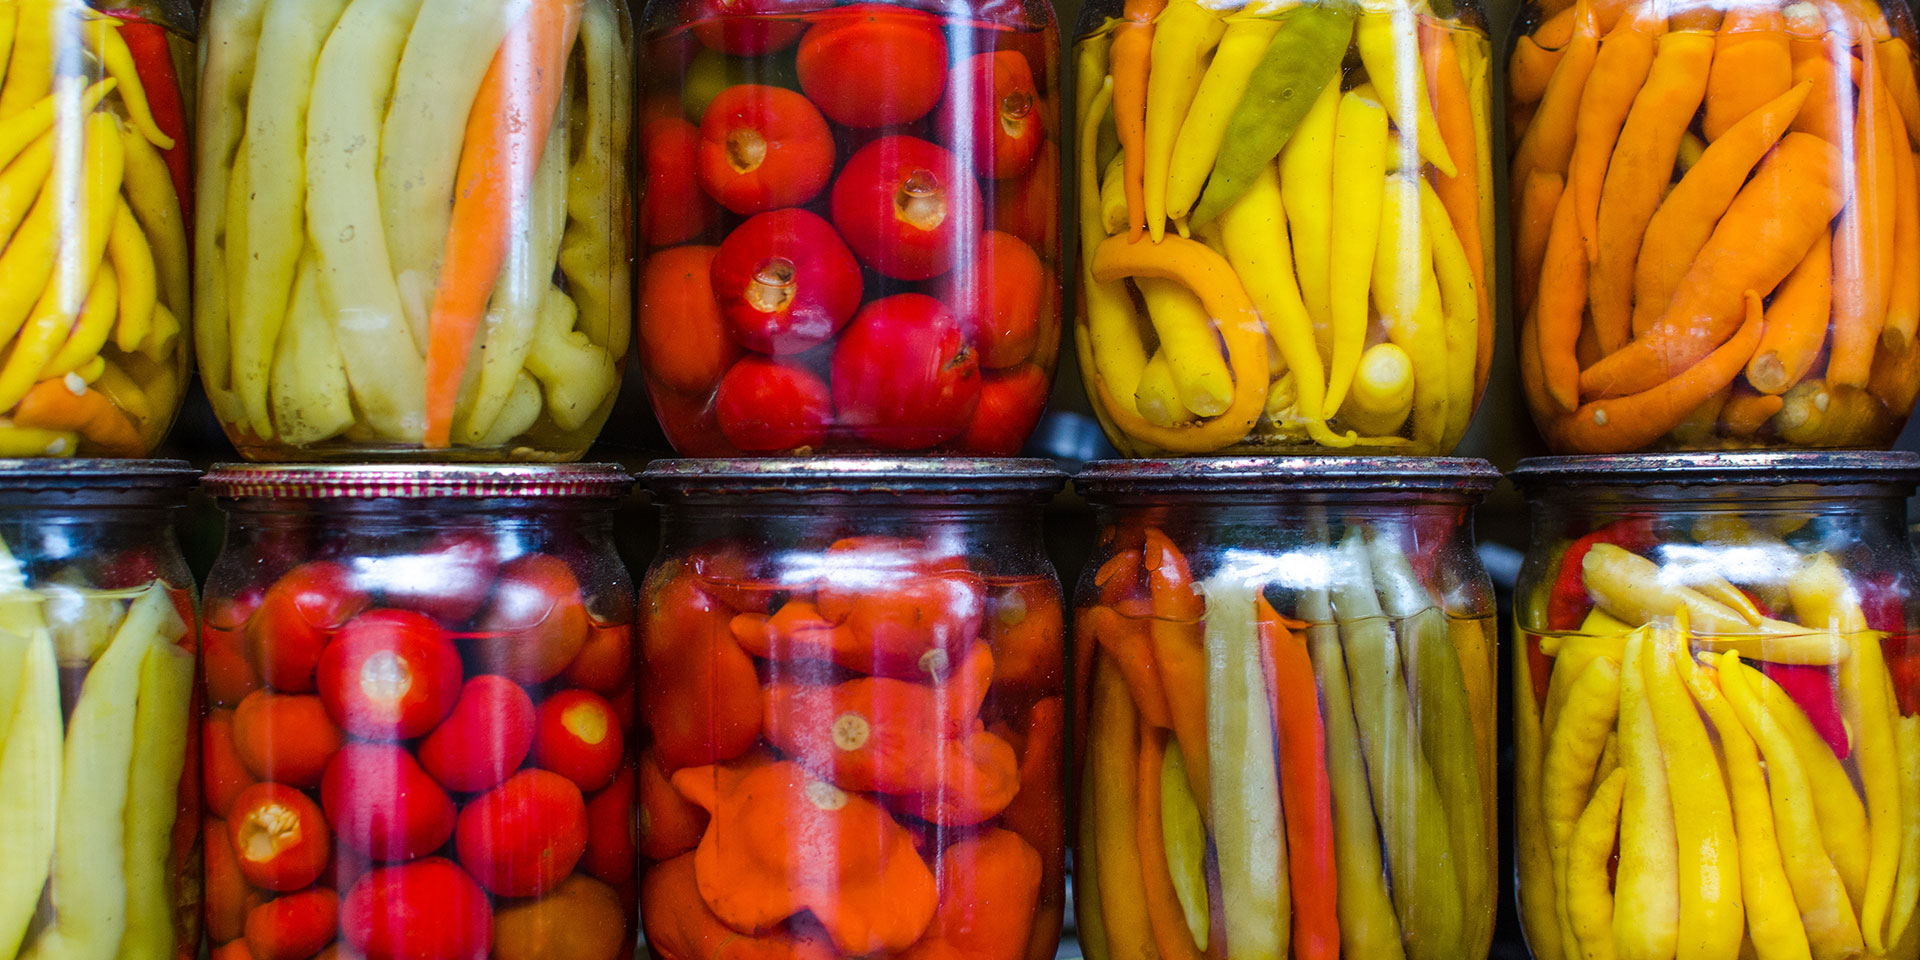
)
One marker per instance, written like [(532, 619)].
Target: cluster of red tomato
[(868, 292), (866, 764), (424, 766)]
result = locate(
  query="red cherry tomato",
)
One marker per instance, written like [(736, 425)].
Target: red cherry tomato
[(383, 805), (1011, 402), (993, 107), (672, 208), (283, 737), (742, 28), (524, 836), (446, 579), (578, 737), (874, 65), (605, 664), (293, 927), (484, 739), (762, 148), (1027, 206), (997, 295), (427, 910), (536, 623), (390, 675), (785, 282), (223, 775), (904, 376), (299, 613), (279, 837), (767, 406), (612, 830), (683, 338), (223, 663), (228, 896), (907, 207)]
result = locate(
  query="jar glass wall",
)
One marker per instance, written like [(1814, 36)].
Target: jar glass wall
[(1314, 184), (1287, 673), (420, 704), (852, 224), (1715, 670), (1715, 223), (855, 679), (413, 226)]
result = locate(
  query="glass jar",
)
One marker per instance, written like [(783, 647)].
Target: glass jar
[(852, 224), (855, 678), (420, 702), (1716, 670), (1248, 323), (1286, 667), (413, 225), (94, 199), (97, 719), (1760, 292)]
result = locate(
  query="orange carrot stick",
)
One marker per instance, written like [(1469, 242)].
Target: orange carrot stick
[(505, 134), (54, 405), (1164, 913), (1619, 71), (1796, 323), (1563, 281), (1532, 221), (1765, 233), (1746, 412), (1752, 64), (1548, 144), (1179, 650), (1686, 218), (1125, 642), (1621, 424), (1459, 194), (1903, 302), (1863, 239), (1305, 786), (1637, 178), (1128, 59)]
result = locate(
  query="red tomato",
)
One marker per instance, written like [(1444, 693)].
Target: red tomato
[(611, 830), (997, 296), (427, 910), (383, 805), (223, 664), (484, 739), (874, 65), (536, 624), (524, 836), (741, 27), (904, 376), (605, 664), (237, 950), (446, 579), (578, 737), (228, 897), (390, 675), (762, 148), (1011, 402), (222, 773), (683, 339), (286, 738), (299, 613), (672, 208), (785, 282), (278, 836), (992, 112), (767, 406), (295, 926), (704, 700), (1027, 206), (907, 207), (691, 426)]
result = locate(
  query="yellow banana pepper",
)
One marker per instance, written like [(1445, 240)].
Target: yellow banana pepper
[(156, 206), (20, 130), (1248, 34), (1119, 357), (1306, 187), (1389, 47), (22, 183), (1186, 842), (1157, 398), (1381, 397), (1711, 908), (1113, 199), (1906, 889), (1460, 301), (1573, 753), (139, 284), (1359, 179), (1631, 588), (9, 25), (1647, 896), (90, 332), (1539, 900), (1184, 36), (30, 69), (102, 33), (1589, 903), (1188, 343)]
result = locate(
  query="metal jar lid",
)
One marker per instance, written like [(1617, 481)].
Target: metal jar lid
[(416, 481), (1897, 469), (102, 482), (945, 479), (1283, 478)]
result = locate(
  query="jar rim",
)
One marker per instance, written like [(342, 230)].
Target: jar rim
[(1285, 476), (368, 481), (974, 476), (1749, 468), (18, 476)]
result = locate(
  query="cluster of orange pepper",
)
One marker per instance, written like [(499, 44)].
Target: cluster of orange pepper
[(861, 760)]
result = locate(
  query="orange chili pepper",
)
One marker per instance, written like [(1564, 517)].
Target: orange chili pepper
[(668, 825), (1165, 916), (1036, 812), (1084, 648), (681, 927), (989, 886), (700, 687), (1120, 586), (1026, 628), (782, 841), (1305, 788), (1179, 650), (1128, 641)]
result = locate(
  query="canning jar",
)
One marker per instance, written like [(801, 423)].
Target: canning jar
[(851, 223), (1285, 671), (94, 199), (1716, 701), (413, 224), (97, 718), (1286, 224), (854, 673), (419, 707), (1715, 223)]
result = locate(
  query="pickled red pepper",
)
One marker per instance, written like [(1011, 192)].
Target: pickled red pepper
[(1737, 265), (1265, 328)]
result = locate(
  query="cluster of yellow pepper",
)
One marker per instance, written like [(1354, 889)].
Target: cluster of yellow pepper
[(1315, 784), (1325, 283), (93, 277), (337, 139), (1739, 829)]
